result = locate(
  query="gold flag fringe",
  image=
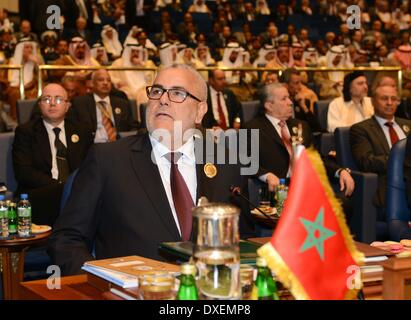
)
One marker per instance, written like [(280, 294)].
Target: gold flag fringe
[(276, 263)]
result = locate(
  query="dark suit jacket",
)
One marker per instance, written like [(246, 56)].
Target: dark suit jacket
[(233, 109), (273, 154), (32, 164), (370, 150), (32, 154), (119, 207), (84, 110)]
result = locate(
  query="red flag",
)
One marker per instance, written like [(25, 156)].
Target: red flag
[(311, 249)]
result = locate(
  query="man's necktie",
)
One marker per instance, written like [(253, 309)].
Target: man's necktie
[(393, 134), (222, 123), (183, 203), (61, 157), (107, 123), (285, 136)]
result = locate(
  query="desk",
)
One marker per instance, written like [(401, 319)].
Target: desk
[(12, 261)]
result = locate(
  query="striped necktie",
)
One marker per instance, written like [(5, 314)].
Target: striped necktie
[(106, 120)]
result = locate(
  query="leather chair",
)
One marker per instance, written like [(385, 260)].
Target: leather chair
[(363, 223), (321, 112), (24, 109), (250, 109), (398, 213)]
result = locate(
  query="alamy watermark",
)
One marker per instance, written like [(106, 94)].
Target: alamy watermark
[(54, 20), (354, 19)]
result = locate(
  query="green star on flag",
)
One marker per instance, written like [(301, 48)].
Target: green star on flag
[(316, 234)]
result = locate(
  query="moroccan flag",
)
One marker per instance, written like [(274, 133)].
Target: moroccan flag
[(311, 250)]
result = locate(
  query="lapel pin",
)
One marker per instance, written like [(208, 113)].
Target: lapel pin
[(210, 170), (295, 130), (117, 110), (406, 128), (75, 138)]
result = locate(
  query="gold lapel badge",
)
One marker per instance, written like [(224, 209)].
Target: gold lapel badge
[(210, 170), (406, 128), (295, 130), (117, 110), (75, 138)]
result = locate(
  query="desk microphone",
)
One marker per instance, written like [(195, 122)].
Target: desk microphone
[(237, 192)]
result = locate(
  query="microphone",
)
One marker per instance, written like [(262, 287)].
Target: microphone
[(235, 190)]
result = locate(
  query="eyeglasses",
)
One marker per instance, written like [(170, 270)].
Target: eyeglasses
[(57, 100), (174, 94)]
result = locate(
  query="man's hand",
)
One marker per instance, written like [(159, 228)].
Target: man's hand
[(273, 181), (300, 98), (346, 182)]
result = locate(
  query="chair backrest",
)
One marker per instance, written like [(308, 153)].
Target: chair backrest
[(67, 189), (321, 111), (134, 109), (396, 195), (343, 148), (6, 161), (142, 111), (24, 109), (250, 109)]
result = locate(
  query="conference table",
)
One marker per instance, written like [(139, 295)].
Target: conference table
[(397, 273)]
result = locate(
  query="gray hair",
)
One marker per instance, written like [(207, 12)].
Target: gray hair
[(266, 94), (200, 82)]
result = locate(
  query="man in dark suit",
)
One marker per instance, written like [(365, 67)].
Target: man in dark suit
[(104, 113), (224, 109), (46, 150), (276, 131), (126, 199), (371, 140)]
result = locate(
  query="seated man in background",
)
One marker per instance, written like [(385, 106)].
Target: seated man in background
[(354, 106), (224, 109), (371, 140), (45, 151), (303, 106), (126, 199), (104, 113), (277, 130)]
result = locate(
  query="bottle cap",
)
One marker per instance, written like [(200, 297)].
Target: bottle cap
[(188, 268), (282, 181), (24, 196), (2, 197), (261, 262)]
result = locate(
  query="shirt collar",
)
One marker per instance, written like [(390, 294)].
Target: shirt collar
[(273, 120), (97, 98), (382, 121), (50, 127), (187, 149)]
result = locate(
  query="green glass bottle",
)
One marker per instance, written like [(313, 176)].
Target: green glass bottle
[(187, 289), (12, 218), (264, 285)]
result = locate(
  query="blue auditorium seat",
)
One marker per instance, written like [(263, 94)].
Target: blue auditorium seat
[(24, 109), (250, 109), (398, 212), (321, 112), (363, 223)]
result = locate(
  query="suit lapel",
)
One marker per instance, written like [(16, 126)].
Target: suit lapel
[(268, 127), (72, 147), (42, 139), (379, 135), (404, 125), (93, 111), (204, 187), (116, 110), (143, 168)]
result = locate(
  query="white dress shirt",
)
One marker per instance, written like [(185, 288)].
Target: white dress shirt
[(214, 103), (345, 114), (400, 133), (101, 133), (186, 165), (52, 138)]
